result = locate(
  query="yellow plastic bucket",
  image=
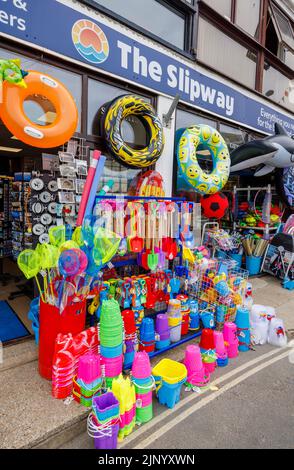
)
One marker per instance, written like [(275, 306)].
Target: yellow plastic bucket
[(174, 321), (170, 371)]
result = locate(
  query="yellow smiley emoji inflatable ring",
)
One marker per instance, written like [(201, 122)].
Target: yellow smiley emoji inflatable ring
[(188, 143)]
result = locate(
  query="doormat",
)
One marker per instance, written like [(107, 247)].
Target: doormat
[(11, 326)]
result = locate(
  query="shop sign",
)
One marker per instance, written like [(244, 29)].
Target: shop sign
[(61, 29)]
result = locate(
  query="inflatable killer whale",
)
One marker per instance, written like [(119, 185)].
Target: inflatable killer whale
[(276, 151)]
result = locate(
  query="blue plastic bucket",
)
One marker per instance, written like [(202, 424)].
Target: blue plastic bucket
[(169, 394), (194, 321), (110, 353), (222, 362), (207, 319), (253, 265), (237, 258), (128, 359), (162, 344), (243, 328)]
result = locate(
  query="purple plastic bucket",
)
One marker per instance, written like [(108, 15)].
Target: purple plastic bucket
[(107, 439), (162, 328)]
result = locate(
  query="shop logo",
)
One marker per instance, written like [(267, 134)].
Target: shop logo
[(90, 41)]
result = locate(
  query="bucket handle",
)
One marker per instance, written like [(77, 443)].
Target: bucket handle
[(150, 387)]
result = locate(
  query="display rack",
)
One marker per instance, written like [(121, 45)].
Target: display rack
[(132, 261), (267, 229)]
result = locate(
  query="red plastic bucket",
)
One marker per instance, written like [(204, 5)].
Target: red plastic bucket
[(185, 323), (72, 320)]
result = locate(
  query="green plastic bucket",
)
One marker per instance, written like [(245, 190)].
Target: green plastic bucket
[(143, 415)]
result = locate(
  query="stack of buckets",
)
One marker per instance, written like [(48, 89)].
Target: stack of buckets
[(194, 316), (208, 353), (68, 350), (143, 381), (231, 339), (88, 381), (111, 340), (63, 370), (124, 391), (103, 421), (169, 377), (174, 320), (185, 311), (162, 331), (130, 337), (220, 349), (147, 335), (194, 365), (243, 328)]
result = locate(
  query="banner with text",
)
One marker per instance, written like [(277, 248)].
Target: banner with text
[(61, 29)]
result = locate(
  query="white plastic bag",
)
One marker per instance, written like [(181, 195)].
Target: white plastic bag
[(277, 334), (261, 311), (259, 331)]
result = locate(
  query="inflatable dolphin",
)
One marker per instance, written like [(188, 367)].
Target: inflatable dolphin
[(276, 151)]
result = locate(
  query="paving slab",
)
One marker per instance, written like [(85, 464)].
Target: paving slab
[(29, 414)]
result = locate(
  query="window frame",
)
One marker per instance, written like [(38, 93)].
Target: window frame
[(274, 11), (258, 46), (180, 7)]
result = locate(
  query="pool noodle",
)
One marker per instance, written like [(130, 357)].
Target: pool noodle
[(94, 187), (88, 186)]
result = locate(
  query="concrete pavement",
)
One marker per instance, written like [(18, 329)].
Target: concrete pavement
[(34, 419)]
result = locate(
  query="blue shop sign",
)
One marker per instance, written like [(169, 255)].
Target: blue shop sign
[(61, 29)]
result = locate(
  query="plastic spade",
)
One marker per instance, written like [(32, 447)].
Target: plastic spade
[(187, 236), (161, 218), (120, 228), (137, 242)]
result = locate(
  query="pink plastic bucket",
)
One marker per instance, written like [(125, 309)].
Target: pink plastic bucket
[(220, 348), (209, 368), (141, 368), (130, 415), (113, 365), (89, 368), (198, 379), (233, 351), (193, 359), (146, 399), (230, 333)]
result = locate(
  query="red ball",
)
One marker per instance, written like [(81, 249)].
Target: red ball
[(214, 206)]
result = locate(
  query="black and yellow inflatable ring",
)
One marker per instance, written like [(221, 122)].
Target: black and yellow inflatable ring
[(118, 110)]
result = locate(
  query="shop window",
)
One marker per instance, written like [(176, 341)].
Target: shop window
[(120, 175), (39, 110), (289, 58), (99, 94), (234, 137), (225, 55), (278, 87), (247, 16), (186, 119), (224, 7), (72, 81), (153, 16), (280, 36)]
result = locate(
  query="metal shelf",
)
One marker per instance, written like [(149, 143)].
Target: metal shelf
[(263, 229), (184, 340)]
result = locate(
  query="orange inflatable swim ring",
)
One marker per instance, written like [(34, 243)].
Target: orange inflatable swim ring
[(14, 118)]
